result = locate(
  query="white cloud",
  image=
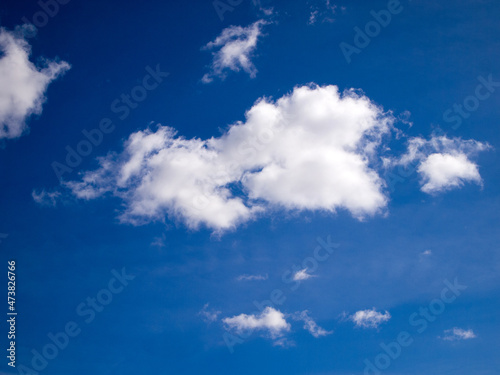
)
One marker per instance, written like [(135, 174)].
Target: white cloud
[(273, 323), (427, 252), (271, 320), (458, 334), (45, 198), (252, 277), (23, 87), (301, 275), (370, 318), (443, 163), (442, 172), (312, 149), (236, 46), (310, 324), (209, 315)]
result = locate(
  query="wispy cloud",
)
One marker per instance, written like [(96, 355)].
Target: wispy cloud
[(310, 325), (252, 277), (45, 198), (456, 333), (160, 241), (236, 46), (323, 12), (209, 315), (267, 11), (369, 318), (302, 275)]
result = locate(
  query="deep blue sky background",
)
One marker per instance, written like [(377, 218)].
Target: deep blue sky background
[(427, 59)]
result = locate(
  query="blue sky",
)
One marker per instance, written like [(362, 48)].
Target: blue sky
[(244, 196)]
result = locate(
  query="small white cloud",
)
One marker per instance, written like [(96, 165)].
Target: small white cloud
[(455, 334), (310, 324), (302, 275), (443, 163), (23, 85), (236, 46), (45, 198), (427, 253), (442, 172), (271, 320), (252, 277), (209, 315), (370, 318)]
